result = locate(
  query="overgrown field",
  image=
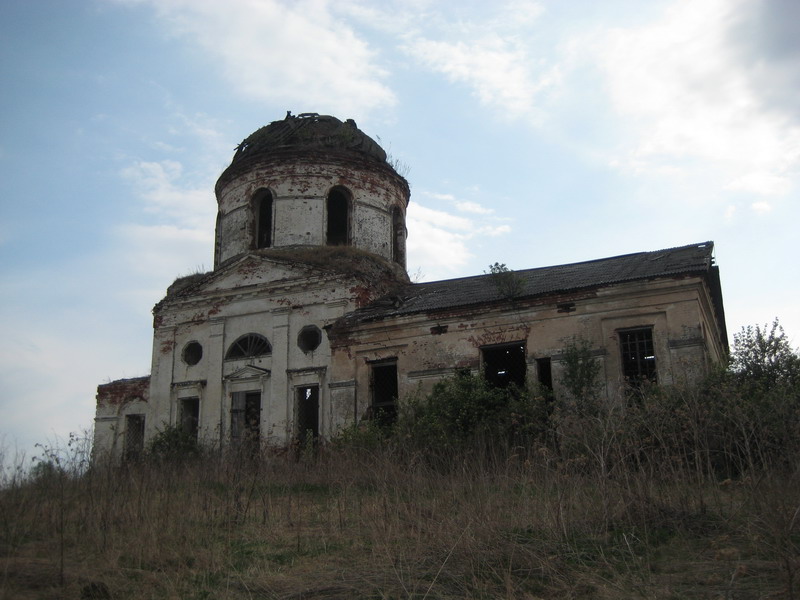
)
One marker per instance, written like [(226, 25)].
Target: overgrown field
[(474, 493)]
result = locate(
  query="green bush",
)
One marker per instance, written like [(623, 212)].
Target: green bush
[(172, 443), (466, 409)]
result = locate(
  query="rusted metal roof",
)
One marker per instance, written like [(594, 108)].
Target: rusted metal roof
[(544, 281)]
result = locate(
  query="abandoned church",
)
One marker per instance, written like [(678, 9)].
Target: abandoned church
[(308, 322)]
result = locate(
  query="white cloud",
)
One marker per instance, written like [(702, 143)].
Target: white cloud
[(473, 207), (761, 207), (439, 242), (761, 183), (293, 53), (158, 184), (686, 95), (499, 70)]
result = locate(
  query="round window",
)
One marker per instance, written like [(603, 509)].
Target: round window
[(309, 338), (192, 353)]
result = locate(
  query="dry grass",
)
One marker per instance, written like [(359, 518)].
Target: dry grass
[(364, 524)]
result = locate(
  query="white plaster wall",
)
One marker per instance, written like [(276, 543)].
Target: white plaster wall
[(299, 190), (276, 306)]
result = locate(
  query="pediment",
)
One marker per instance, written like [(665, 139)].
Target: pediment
[(248, 372), (256, 270)]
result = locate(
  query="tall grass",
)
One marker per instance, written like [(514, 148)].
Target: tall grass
[(668, 497)]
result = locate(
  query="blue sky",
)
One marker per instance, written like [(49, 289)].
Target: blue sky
[(532, 133)]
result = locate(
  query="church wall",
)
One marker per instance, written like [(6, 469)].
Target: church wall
[(429, 347), (116, 401), (279, 311)]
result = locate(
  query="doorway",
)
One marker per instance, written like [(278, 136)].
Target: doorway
[(307, 413)]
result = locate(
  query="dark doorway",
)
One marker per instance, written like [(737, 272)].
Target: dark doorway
[(384, 393), (246, 418), (505, 365), (307, 413), (190, 416), (544, 373)]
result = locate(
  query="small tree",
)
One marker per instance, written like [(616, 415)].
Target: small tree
[(508, 283), (581, 373), (765, 357)]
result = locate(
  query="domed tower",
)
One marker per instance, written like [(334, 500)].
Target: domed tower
[(311, 181)]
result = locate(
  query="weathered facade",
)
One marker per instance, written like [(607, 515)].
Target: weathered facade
[(308, 321)]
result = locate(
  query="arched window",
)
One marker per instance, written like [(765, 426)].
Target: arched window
[(338, 206), (263, 213), (398, 236), (248, 346)]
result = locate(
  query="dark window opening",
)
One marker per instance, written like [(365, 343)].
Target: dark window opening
[(134, 436), (192, 353), (246, 418), (249, 345), (505, 365), (544, 372), (264, 219), (398, 237), (338, 231), (308, 413), (309, 338), (638, 356), (384, 393), (190, 416)]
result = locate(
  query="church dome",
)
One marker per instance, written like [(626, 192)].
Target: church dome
[(311, 181), (306, 133)]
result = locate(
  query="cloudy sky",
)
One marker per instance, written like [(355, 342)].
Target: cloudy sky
[(533, 133)]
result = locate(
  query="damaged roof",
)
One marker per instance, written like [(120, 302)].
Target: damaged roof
[(543, 281), (305, 133)]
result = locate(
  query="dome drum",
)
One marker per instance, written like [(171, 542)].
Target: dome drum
[(318, 190)]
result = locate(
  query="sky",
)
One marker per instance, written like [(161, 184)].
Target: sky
[(532, 133)]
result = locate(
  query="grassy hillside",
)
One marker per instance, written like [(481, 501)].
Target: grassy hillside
[(675, 493), (360, 523)]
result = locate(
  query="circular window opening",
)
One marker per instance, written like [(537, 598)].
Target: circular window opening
[(309, 338), (192, 353)]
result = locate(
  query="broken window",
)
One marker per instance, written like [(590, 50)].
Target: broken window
[(638, 355), (192, 353), (249, 345), (504, 365), (309, 338), (134, 436), (246, 418), (544, 372), (190, 416), (338, 207), (263, 209), (307, 413), (384, 392), (398, 236)]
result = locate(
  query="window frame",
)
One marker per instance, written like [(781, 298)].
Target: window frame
[(261, 197), (486, 362), (638, 361), (335, 220), (249, 345)]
